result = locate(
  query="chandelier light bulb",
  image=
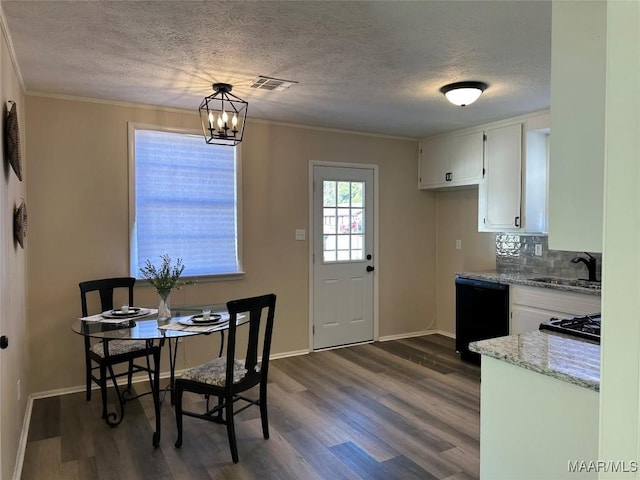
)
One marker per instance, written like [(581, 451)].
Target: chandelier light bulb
[(234, 120), (225, 117), (211, 120)]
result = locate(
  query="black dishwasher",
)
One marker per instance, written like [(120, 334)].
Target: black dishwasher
[(482, 311)]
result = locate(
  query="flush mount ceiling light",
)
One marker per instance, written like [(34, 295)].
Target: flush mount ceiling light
[(463, 93), (223, 116)]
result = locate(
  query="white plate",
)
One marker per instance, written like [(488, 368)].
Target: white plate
[(213, 317), (191, 323), (132, 313)]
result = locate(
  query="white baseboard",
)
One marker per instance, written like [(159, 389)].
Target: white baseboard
[(400, 336), (446, 334), (293, 353), (24, 435)]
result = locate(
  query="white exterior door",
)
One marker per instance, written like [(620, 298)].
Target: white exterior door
[(343, 257)]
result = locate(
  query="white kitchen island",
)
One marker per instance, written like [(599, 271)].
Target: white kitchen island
[(539, 407)]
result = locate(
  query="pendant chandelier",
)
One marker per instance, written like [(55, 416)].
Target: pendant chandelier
[(223, 116)]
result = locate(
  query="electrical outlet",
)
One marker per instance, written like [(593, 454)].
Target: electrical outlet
[(538, 249), (301, 234), (458, 244)]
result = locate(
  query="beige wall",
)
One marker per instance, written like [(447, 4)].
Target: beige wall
[(457, 219), (79, 226), (13, 360)]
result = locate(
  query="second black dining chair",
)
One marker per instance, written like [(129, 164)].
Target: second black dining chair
[(228, 377), (107, 353)]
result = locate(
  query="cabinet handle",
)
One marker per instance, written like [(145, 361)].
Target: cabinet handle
[(448, 177), (517, 221)]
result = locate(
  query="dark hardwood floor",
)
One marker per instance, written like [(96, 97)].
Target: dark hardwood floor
[(402, 409)]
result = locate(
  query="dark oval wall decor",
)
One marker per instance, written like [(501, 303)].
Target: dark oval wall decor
[(20, 223), (12, 137)]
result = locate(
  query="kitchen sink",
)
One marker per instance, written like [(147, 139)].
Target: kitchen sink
[(568, 282)]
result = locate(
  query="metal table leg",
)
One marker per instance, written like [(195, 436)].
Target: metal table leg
[(173, 352), (156, 393)]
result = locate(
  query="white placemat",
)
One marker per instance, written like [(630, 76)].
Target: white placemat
[(190, 328), (99, 318)]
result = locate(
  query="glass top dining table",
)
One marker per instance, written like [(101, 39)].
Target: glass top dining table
[(151, 329)]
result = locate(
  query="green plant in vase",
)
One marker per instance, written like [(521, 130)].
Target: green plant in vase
[(163, 278)]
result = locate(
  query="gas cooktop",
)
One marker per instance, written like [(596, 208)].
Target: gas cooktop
[(587, 326)]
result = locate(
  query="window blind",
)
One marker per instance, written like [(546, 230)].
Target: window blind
[(185, 203)]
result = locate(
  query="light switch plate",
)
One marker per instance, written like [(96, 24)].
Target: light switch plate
[(538, 249), (301, 234), (458, 244)]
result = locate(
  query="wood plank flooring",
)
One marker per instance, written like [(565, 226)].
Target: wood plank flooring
[(403, 409)]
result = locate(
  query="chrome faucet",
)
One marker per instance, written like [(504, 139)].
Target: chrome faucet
[(589, 262)]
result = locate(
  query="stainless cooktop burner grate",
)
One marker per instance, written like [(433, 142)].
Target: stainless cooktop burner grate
[(587, 326)]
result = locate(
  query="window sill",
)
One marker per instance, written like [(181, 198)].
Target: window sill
[(195, 279)]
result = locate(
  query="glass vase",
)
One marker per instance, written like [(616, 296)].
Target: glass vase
[(164, 312)]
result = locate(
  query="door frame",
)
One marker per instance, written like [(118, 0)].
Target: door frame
[(376, 250)]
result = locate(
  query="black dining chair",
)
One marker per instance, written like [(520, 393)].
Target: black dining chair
[(107, 353), (226, 377)]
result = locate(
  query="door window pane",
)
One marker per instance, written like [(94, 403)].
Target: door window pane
[(343, 227), (329, 224), (343, 255), (344, 242), (344, 194), (330, 242), (330, 256), (329, 194), (357, 196)]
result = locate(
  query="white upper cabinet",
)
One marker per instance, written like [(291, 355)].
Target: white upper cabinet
[(433, 163), (576, 161), (510, 168), (451, 160), (500, 193)]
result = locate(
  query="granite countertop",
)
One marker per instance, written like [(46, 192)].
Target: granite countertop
[(528, 279), (556, 355)]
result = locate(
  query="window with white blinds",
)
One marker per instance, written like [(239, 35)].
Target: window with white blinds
[(184, 202)]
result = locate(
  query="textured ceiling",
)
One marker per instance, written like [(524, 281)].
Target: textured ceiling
[(366, 66)]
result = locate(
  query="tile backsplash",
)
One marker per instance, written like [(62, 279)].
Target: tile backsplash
[(516, 254)]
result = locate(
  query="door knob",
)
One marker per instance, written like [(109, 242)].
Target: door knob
[(370, 268), (4, 342)]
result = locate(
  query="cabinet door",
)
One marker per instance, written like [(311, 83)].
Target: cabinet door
[(434, 163), (526, 319), (466, 158), (530, 306), (500, 193)]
